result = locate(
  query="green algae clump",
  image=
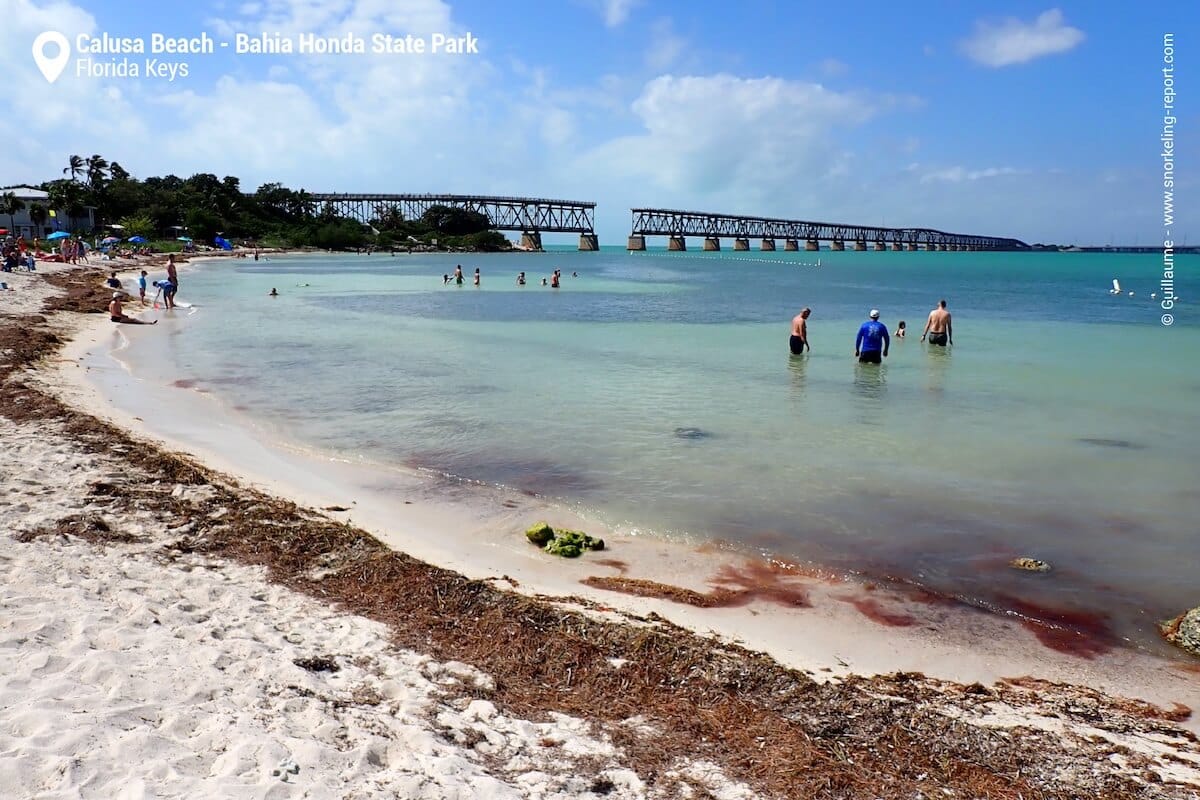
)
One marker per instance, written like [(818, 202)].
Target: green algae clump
[(570, 544), (540, 534), (565, 543)]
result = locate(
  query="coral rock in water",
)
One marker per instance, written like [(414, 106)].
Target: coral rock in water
[(1184, 631), (1029, 564), (539, 533)]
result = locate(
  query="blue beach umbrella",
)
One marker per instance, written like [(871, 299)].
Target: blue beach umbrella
[(137, 239), (109, 239), (59, 235)]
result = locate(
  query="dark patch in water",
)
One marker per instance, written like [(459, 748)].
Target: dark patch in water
[(692, 433), (1120, 444), (531, 476), (873, 610), (615, 563), (1086, 634), (185, 383)]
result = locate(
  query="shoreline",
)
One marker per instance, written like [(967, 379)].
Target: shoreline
[(804, 616), (754, 624)]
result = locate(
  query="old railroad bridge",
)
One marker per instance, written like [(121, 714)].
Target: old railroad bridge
[(678, 225), (534, 216), (530, 215)]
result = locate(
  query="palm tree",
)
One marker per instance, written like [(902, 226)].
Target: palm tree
[(38, 215), (74, 167), (117, 172), (10, 204), (96, 167)]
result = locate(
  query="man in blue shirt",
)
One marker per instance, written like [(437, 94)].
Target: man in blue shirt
[(873, 340)]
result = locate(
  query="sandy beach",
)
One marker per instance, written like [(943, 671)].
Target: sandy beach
[(192, 610)]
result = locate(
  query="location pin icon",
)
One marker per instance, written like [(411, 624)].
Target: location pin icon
[(51, 67)]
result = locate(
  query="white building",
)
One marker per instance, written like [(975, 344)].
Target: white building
[(56, 219)]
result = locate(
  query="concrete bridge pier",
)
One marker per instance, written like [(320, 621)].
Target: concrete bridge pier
[(811, 245), (677, 243), (712, 243), (897, 246), (741, 243), (913, 247), (531, 240), (838, 244), (791, 245), (589, 241), (768, 245), (880, 247), (860, 245), (636, 242)]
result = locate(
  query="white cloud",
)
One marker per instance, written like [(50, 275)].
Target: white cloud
[(1014, 42), (741, 144), (665, 45), (960, 174), (617, 11), (832, 68)]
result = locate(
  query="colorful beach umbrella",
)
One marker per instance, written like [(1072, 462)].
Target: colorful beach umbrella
[(137, 239), (59, 235), (109, 239)]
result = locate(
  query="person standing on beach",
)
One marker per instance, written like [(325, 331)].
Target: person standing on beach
[(938, 328), (872, 344), (142, 287), (799, 337), (172, 274)]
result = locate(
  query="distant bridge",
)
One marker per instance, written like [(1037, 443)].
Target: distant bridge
[(529, 215), (677, 225)]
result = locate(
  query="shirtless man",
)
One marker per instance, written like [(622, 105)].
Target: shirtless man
[(938, 328), (799, 337), (458, 276), (117, 314)]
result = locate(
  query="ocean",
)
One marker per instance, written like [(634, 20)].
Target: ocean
[(655, 392)]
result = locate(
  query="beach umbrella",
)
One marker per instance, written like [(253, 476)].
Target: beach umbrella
[(137, 239), (109, 240), (3, 231), (59, 235), (117, 227), (183, 238)]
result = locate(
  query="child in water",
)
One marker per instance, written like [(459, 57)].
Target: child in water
[(900, 329)]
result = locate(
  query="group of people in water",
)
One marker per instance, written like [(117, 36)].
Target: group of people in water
[(873, 340), (554, 281)]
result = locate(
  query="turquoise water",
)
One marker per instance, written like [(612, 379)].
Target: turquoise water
[(656, 391)]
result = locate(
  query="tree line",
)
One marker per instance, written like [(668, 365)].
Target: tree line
[(203, 206)]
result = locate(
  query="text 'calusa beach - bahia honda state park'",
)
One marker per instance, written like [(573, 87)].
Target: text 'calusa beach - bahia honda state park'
[(279, 44)]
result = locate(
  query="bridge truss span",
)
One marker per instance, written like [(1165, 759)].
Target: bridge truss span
[(678, 225), (529, 216)]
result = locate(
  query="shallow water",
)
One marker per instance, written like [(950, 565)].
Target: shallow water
[(656, 392)]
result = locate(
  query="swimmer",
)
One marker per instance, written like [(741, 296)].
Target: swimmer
[(521, 279), (799, 338), (938, 328), (273, 292), (900, 328)]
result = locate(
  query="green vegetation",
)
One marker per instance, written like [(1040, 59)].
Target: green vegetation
[(565, 543), (204, 206)]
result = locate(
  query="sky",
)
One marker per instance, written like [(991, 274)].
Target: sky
[(1041, 122)]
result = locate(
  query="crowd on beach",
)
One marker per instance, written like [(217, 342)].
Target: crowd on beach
[(873, 341), (166, 288)]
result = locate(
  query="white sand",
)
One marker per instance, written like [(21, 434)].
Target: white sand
[(126, 676)]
